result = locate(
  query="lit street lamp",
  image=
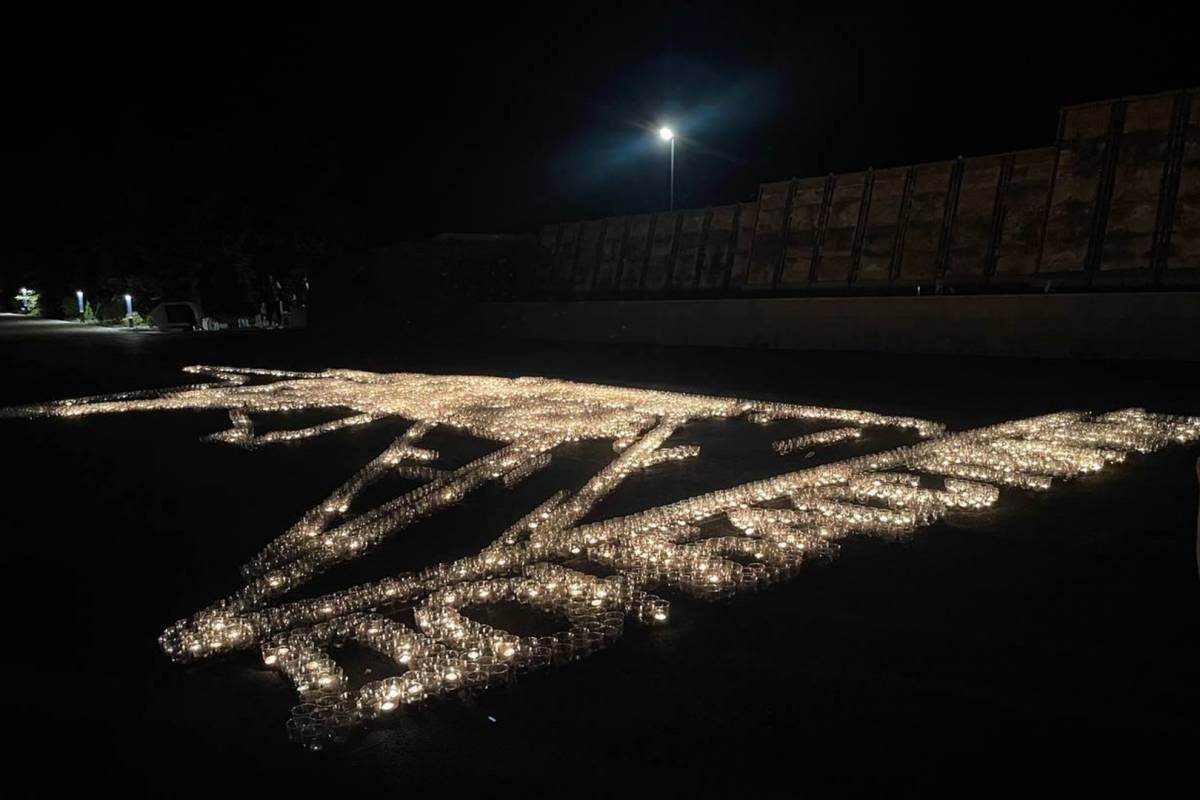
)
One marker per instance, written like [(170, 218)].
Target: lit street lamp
[(128, 305), (668, 135), (79, 297)]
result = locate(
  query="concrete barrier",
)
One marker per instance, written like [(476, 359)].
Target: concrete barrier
[(1143, 325)]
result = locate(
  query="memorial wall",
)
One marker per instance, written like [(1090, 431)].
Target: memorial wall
[(1114, 203)]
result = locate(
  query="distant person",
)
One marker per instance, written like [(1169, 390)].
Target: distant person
[(274, 301), (286, 304), (300, 292), (265, 293)]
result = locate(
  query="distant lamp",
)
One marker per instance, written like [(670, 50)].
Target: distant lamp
[(79, 298), (668, 135), (129, 305)]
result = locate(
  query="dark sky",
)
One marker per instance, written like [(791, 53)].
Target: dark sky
[(374, 130)]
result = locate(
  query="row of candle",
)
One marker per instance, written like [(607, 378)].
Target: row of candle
[(551, 536), (668, 545), (786, 446), (776, 540), (449, 652)]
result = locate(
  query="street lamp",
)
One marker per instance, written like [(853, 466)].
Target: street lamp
[(129, 305), (668, 135), (79, 297)]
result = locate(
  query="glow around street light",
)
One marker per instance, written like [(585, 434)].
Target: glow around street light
[(666, 133)]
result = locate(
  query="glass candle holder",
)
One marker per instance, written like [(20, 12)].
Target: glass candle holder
[(656, 611)]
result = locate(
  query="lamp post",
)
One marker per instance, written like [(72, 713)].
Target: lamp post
[(128, 305), (668, 135), (79, 298)]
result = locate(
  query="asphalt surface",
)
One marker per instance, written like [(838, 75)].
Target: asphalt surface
[(1050, 642)]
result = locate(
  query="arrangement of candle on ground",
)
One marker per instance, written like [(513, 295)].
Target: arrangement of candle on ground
[(785, 446), (889, 493)]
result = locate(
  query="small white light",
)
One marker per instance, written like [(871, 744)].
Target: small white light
[(666, 133)]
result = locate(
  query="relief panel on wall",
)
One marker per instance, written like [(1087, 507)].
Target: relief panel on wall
[(974, 219), (610, 255), (1077, 180), (837, 249), (924, 229), (547, 244), (564, 257), (687, 252), (718, 249), (768, 234), (883, 225), (1024, 201), (589, 252), (662, 245), (1183, 252), (803, 230), (742, 243), (633, 255), (1137, 185)]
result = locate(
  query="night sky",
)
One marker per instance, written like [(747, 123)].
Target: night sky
[(124, 139)]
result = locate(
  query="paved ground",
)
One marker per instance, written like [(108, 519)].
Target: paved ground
[(1057, 632)]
